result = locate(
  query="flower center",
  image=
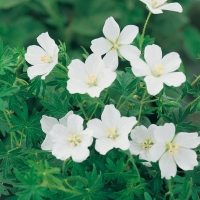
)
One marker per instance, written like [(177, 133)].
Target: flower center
[(112, 133), (147, 144), (47, 59), (74, 139), (115, 46), (158, 70), (172, 149), (154, 3), (91, 80)]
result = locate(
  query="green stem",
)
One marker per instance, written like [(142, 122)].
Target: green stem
[(192, 102), (141, 106), (62, 67), (169, 185), (21, 81), (120, 99), (94, 111), (144, 29), (126, 99), (194, 82), (63, 166), (83, 111)]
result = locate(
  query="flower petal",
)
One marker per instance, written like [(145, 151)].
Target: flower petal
[(110, 116), (111, 29), (154, 10), (86, 137), (160, 2), (40, 69), (187, 140), (186, 159), (165, 133), (47, 123), (34, 54), (154, 85), (128, 34), (122, 142), (99, 129), (80, 153), (157, 150), (75, 86), (167, 166), (171, 62), (75, 124), (47, 143), (153, 55), (125, 125), (62, 151), (111, 60), (101, 45), (140, 68), (176, 7), (139, 134), (48, 44), (145, 155), (173, 79), (135, 148), (94, 91), (129, 52), (63, 120), (103, 145)]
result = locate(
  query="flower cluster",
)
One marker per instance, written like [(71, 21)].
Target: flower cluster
[(67, 137)]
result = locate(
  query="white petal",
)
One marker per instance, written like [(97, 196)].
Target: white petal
[(34, 54), (47, 143), (153, 55), (47, 43), (151, 130), (186, 159), (176, 7), (86, 137), (145, 155), (173, 79), (110, 116), (94, 91), (111, 29), (139, 134), (167, 166), (154, 10), (107, 78), (79, 154), (187, 140), (140, 68), (103, 145), (157, 150), (111, 60), (165, 133), (135, 148), (47, 123), (75, 86), (75, 124), (128, 34), (129, 52), (40, 69), (154, 85), (77, 70), (122, 142), (99, 129), (63, 120), (171, 62), (101, 45), (160, 2), (62, 151), (125, 125), (59, 134)]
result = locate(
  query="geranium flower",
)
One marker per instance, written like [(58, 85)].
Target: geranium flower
[(115, 43), (142, 140), (71, 140), (42, 58), (91, 77), (172, 150), (112, 130), (156, 6), (47, 123), (158, 70)]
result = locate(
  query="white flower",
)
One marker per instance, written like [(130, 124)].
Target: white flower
[(115, 43), (156, 6), (71, 140), (112, 130), (42, 58), (47, 123), (158, 70), (90, 77), (142, 140), (172, 150)]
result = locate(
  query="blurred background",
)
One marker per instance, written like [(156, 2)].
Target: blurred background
[(77, 22)]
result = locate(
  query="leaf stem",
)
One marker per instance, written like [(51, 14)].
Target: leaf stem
[(144, 29), (141, 106), (194, 82), (62, 67), (22, 81), (83, 111), (192, 102), (169, 185), (94, 111)]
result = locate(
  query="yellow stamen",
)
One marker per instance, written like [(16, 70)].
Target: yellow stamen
[(46, 59), (158, 70), (91, 80), (154, 3), (74, 139), (115, 46), (147, 144), (172, 149), (112, 133)]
